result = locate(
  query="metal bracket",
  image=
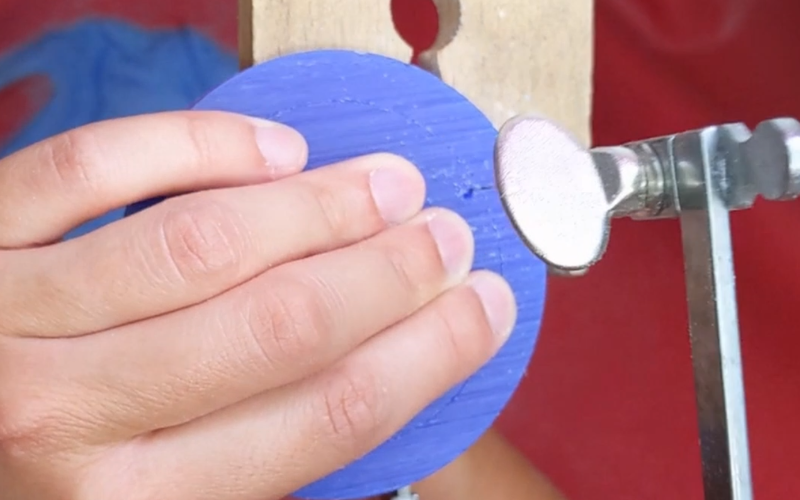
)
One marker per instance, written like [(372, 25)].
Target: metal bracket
[(561, 197)]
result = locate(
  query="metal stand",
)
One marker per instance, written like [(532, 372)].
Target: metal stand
[(405, 493), (560, 197)]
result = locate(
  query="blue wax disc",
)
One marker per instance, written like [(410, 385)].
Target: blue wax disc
[(348, 104)]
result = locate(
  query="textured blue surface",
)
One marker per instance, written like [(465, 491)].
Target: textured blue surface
[(102, 69), (348, 104)]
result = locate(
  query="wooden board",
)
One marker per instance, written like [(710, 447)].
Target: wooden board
[(512, 57), (271, 28), (508, 57)]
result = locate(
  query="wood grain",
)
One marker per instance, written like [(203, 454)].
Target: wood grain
[(512, 57), (508, 57), (271, 28)]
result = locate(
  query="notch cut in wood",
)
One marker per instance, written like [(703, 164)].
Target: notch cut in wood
[(509, 57)]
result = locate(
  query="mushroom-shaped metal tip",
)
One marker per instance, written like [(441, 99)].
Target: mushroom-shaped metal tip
[(774, 155), (553, 193)]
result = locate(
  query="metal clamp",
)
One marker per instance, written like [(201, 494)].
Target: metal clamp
[(561, 197)]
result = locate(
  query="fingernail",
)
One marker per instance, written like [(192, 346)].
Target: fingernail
[(454, 241), (497, 300), (396, 191), (283, 148)]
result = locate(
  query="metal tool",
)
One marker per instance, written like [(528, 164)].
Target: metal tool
[(561, 196), (405, 493)]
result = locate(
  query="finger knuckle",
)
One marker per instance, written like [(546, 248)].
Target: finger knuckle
[(285, 327), (73, 157), (200, 133), (37, 415), (405, 264), (462, 330), (329, 210), (28, 428), (42, 434), (203, 240), (354, 407), (21, 420)]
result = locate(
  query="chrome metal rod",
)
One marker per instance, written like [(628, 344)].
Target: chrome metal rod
[(701, 163), (716, 357)]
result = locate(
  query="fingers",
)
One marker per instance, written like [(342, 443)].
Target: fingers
[(59, 183), (287, 324), (193, 247), (276, 443)]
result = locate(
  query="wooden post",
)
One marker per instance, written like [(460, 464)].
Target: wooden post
[(508, 57), (271, 28), (512, 57)]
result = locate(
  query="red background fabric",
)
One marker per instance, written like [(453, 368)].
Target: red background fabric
[(607, 409)]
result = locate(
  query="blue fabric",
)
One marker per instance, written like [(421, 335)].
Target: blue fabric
[(102, 69)]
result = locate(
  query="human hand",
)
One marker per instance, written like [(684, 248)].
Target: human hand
[(235, 343), (490, 468)]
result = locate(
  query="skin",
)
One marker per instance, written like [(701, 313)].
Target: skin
[(235, 343), (491, 468)]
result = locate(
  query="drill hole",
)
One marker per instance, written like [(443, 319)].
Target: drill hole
[(427, 26)]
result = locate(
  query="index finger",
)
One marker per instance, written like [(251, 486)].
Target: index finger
[(59, 183)]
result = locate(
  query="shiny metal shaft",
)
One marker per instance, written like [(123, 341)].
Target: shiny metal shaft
[(714, 334)]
